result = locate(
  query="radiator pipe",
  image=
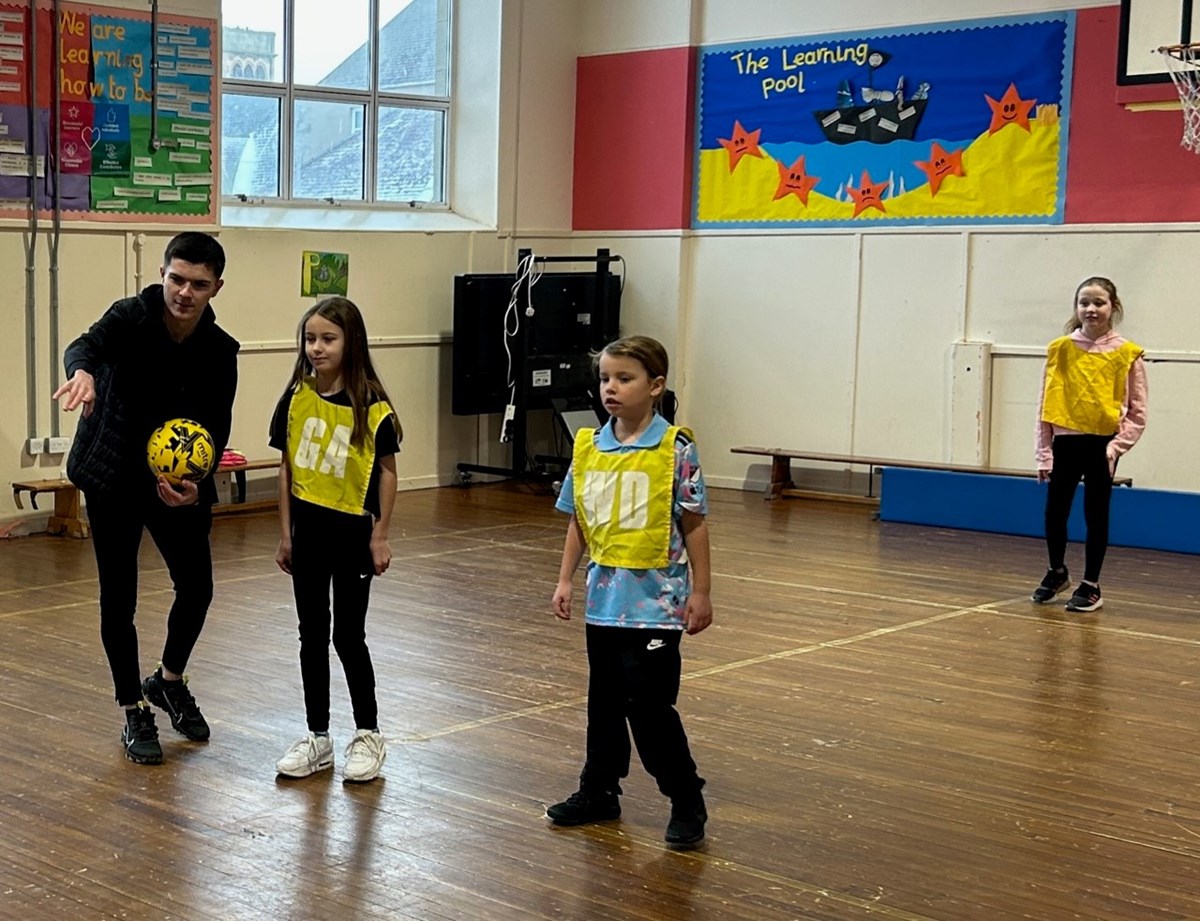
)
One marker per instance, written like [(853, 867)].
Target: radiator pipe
[(155, 140), (30, 239), (56, 219)]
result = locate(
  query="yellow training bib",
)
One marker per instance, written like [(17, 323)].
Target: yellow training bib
[(326, 468), (624, 500), (1085, 390)]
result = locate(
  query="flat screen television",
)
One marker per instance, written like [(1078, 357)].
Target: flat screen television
[(550, 350)]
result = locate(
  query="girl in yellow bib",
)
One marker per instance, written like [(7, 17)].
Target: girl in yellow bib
[(1091, 411), (637, 503), (337, 484)]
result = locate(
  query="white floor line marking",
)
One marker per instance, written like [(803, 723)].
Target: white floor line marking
[(702, 673), (826, 590), (1100, 628), (624, 836), (271, 556)]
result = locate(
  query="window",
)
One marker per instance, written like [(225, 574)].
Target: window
[(345, 102)]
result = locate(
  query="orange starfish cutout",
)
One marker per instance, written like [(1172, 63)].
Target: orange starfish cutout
[(940, 165), (793, 181), (867, 195), (741, 143), (1010, 110)]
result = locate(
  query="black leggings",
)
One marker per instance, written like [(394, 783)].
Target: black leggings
[(333, 549), (1079, 457), (181, 535)]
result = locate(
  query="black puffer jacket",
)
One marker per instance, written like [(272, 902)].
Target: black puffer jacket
[(143, 378)]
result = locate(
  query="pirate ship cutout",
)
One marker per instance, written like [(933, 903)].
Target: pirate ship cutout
[(882, 117)]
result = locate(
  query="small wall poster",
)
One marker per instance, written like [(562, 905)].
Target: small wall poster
[(324, 273)]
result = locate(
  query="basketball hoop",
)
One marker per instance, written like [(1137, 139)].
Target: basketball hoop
[(1183, 64)]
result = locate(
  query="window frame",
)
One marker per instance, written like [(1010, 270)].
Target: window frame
[(286, 92)]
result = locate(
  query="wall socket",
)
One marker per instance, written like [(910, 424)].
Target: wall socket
[(59, 445), (35, 446)]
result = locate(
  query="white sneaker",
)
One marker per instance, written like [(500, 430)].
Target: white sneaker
[(364, 756), (307, 756)]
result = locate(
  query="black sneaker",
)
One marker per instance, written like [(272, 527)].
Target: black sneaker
[(140, 736), (177, 701), (1086, 598), (1054, 582), (585, 806), (686, 828)]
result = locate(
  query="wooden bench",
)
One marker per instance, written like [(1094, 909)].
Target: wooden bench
[(66, 518), (238, 472), (781, 472)]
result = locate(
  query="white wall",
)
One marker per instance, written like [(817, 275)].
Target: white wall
[(544, 144), (839, 341), (831, 340), (844, 341), (856, 355), (1020, 294), (730, 21), (635, 25), (610, 26), (403, 281)]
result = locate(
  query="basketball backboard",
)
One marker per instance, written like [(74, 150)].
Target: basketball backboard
[(1147, 25)]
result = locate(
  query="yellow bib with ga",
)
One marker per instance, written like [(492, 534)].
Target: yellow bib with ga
[(326, 468), (624, 500), (1085, 390)]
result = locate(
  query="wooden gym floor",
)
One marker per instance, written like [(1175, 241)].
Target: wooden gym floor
[(888, 727)]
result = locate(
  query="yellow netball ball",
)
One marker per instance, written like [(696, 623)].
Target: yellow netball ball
[(181, 450)]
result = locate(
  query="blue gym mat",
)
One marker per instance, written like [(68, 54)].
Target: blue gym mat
[(1154, 519)]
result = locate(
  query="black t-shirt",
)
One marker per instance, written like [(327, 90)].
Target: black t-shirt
[(386, 443)]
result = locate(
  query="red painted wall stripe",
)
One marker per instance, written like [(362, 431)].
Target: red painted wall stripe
[(1122, 167), (634, 118), (633, 140)]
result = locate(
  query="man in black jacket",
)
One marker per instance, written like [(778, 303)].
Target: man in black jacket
[(151, 358)]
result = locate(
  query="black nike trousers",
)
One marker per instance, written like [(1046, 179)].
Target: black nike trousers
[(633, 684)]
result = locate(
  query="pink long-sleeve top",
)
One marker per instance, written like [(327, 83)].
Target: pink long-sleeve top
[(1133, 407)]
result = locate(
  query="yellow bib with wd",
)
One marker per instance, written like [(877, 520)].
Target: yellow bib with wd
[(1085, 390), (327, 469), (624, 500)]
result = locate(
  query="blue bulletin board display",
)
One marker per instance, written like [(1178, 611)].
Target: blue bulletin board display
[(130, 147), (953, 123)]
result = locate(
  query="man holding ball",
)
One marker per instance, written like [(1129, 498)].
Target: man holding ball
[(151, 358)]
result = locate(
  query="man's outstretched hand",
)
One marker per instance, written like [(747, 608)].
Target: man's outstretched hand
[(81, 388)]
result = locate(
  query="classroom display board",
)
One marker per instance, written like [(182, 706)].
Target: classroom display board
[(953, 123), (109, 114)]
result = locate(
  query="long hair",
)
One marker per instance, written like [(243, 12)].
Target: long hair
[(1118, 312), (649, 352), (362, 384)]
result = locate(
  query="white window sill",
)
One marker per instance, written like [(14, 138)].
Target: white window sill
[(334, 218)]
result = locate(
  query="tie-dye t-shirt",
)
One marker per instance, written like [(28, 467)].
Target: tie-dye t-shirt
[(657, 598)]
